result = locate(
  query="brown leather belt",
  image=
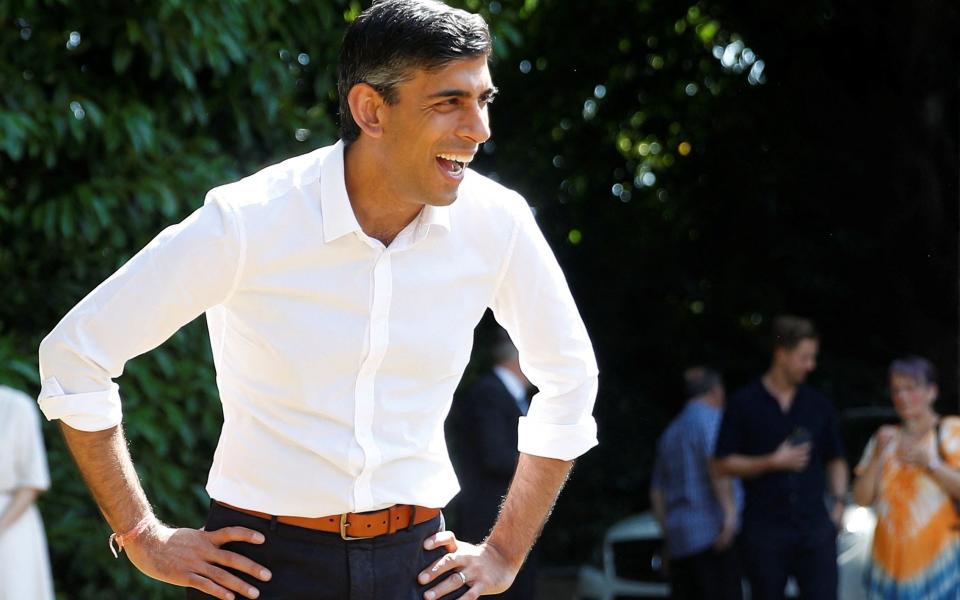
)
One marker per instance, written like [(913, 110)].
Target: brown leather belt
[(354, 526)]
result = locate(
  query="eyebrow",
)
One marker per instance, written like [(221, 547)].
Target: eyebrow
[(455, 93)]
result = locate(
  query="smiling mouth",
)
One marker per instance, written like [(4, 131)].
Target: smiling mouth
[(454, 164)]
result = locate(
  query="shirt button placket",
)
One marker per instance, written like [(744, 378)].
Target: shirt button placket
[(382, 289)]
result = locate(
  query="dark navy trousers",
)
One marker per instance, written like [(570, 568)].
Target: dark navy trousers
[(316, 565), (808, 551)]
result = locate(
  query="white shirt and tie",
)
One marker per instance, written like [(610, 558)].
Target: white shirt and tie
[(336, 357)]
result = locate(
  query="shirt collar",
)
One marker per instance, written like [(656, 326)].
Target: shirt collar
[(511, 382), (338, 217)]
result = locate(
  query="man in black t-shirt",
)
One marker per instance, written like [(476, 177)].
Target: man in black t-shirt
[(780, 437)]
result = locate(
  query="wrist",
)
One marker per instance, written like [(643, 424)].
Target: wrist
[(120, 540), (512, 561), (771, 463)]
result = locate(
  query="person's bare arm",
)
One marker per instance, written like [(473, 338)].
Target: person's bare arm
[(947, 477), (491, 566), (787, 457), (866, 484), (723, 491), (837, 479), (926, 457), (184, 557), (658, 506), (21, 501)]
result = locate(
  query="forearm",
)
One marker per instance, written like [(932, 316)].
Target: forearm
[(837, 477), (658, 506), (742, 466), (106, 466), (948, 478), (865, 485), (21, 501), (531, 497), (723, 490)]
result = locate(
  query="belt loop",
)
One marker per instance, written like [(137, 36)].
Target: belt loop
[(273, 523), (392, 519), (413, 517)]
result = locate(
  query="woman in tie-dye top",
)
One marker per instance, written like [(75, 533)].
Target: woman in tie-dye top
[(909, 473)]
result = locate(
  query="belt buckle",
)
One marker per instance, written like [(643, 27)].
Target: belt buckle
[(343, 529)]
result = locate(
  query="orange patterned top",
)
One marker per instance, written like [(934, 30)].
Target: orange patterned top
[(916, 519)]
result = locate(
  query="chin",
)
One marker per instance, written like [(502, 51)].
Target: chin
[(443, 199)]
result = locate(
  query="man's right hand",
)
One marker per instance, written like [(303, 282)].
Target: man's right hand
[(790, 457), (193, 558)]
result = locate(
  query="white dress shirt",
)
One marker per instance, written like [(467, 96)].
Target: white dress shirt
[(336, 357)]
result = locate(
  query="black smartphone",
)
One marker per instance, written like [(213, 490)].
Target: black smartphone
[(800, 435)]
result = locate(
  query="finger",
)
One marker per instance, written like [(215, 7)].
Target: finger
[(449, 585), (241, 563), (229, 581), (439, 567), (208, 587), (235, 534), (442, 538)]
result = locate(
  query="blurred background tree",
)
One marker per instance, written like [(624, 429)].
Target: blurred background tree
[(698, 166)]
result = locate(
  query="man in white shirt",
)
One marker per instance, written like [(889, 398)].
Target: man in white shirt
[(341, 289)]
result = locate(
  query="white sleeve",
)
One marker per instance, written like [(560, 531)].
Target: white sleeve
[(186, 269), (533, 303), (31, 456)]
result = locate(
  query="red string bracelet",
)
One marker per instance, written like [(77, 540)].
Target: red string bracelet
[(121, 539)]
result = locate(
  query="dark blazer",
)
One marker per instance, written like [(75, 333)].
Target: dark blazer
[(482, 436)]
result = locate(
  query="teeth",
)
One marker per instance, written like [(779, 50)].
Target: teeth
[(460, 158)]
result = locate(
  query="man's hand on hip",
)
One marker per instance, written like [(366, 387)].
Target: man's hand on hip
[(481, 567), (193, 558)]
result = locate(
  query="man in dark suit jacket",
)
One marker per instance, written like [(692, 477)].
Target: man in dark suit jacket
[(483, 423)]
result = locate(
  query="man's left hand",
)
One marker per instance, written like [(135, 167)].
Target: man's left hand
[(483, 568)]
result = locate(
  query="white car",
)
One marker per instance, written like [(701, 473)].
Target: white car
[(632, 560)]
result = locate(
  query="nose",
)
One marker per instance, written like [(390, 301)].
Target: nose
[(475, 124)]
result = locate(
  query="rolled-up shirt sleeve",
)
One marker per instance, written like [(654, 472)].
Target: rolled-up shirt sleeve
[(534, 304), (186, 269)]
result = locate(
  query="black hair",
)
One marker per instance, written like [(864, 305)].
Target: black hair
[(788, 331), (393, 38), (699, 381)]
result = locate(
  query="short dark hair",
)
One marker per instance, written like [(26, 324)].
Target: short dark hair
[(392, 38), (917, 368), (788, 331), (699, 381)]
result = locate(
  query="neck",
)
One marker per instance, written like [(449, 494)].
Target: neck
[(778, 382), (380, 213), (921, 423)]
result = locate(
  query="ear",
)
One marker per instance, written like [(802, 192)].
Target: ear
[(365, 103)]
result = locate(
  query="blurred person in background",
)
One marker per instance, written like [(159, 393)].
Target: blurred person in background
[(909, 474), (697, 509), (24, 563), (483, 437), (780, 436)]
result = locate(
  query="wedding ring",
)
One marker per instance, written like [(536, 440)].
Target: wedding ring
[(463, 577)]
